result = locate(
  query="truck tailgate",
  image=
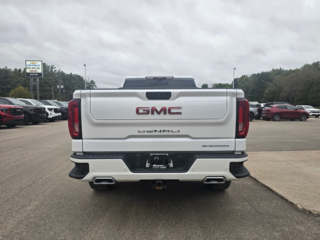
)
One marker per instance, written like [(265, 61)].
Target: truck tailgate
[(123, 120), (121, 105)]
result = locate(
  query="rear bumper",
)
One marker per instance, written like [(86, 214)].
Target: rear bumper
[(205, 165)]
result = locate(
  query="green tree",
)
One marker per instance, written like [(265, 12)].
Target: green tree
[(19, 92), (91, 85), (221, 85), (301, 85)]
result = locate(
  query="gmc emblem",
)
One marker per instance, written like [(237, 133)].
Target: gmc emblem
[(163, 110)]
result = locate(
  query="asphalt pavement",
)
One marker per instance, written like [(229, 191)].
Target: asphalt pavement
[(39, 201), (284, 135), (285, 156)]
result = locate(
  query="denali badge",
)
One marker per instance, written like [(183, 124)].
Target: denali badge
[(146, 110), (158, 131)]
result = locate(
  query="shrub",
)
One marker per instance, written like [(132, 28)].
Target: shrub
[(19, 92)]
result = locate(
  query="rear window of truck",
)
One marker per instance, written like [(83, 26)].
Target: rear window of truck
[(142, 83)]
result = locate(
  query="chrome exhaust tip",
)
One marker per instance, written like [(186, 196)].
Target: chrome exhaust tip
[(104, 180), (214, 180)]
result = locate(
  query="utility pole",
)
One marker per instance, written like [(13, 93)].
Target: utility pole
[(31, 87), (38, 89), (233, 78), (85, 76), (59, 84)]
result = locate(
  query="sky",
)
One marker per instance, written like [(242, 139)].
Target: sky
[(205, 39)]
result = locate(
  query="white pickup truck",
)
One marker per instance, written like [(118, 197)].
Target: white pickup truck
[(158, 129)]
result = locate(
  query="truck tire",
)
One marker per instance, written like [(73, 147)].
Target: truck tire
[(220, 187), (100, 187), (251, 117), (317, 116), (35, 123), (11, 125)]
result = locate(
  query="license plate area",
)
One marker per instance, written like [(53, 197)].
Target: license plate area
[(155, 162), (159, 161)]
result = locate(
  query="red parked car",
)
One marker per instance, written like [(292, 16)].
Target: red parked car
[(11, 115), (276, 112)]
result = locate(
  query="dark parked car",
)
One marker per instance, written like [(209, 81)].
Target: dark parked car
[(66, 104), (32, 114), (63, 109), (51, 111), (11, 115), (276, 112), (60, 103)]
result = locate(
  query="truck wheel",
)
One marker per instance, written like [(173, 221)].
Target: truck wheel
[(303, 117), (251, 117), (51, 120), (11, 125), (220, 187), (100, 187), (26, 119), (317, 116), (35, 123), (276, 117)]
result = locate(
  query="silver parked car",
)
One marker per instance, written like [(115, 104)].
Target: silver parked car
[(311, 110), (253, 111)]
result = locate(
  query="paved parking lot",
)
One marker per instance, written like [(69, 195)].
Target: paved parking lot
[(284, 135), (39, 201)]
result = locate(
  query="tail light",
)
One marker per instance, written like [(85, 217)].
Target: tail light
[(74, 119), (242, 126)]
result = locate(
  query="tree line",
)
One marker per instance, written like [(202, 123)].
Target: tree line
[(297, 86), (14, 79)]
